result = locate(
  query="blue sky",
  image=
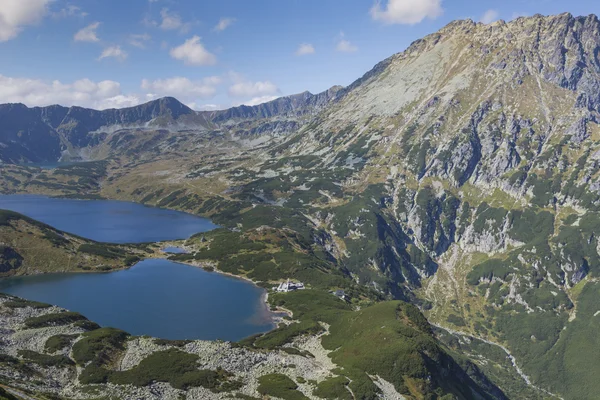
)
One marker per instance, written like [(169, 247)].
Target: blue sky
[(216, 53)]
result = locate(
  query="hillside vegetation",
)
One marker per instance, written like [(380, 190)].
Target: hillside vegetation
[(460, 176)]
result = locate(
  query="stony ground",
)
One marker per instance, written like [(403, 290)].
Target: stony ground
[(246, 364)]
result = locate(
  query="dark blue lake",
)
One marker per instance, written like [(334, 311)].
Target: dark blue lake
[(108, 220), (157, 298)]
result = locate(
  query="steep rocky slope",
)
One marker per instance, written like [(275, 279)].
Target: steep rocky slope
[(461, 175)]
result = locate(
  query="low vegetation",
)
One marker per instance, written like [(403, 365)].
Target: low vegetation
[(280, 386), (55, 319)]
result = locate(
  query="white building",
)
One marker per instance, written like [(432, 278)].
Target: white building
[(289, 286)]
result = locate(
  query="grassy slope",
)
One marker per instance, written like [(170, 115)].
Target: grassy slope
[(390, 339), (32, 247)]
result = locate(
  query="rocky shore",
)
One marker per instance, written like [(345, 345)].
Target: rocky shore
[(246, 365)]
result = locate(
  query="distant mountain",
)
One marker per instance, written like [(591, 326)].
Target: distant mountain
[(462, 174), (42, 134)]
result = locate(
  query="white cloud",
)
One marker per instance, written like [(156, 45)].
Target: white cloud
[(139, 40), (192, 52), (88, 34), (182, 88), (344, 45), (259, 100), (304, 49), (113, 52), (83, 92), (204, 107), (15, 14), (70, 11), (172, 21), (223, 24), (489, 16), (253, 89), (406, 11)]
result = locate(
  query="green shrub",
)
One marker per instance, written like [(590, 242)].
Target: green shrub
[(334, 388), (58, 342), (87, 325), (456, 320), (64, 318), (100, 345), (176, 367), (279, 385), (22, 303), (102, 250), (287, 333), (45, 360)]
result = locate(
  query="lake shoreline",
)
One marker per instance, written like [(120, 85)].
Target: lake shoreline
[(273, 316), (265, 296)]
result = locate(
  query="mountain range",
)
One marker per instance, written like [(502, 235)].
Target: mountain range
[(461, 175)]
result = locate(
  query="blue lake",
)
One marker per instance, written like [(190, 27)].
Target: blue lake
[(157, 298), (174, 250), (108, 220)]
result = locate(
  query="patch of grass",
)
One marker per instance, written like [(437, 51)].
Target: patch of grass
[(279, 385), (334, 388), (102, 250), (16, 365), (176, 367), (99, 345), (58, 342), (57, 319), (22, 303), (286, 333), (45, 360), (87, 325)]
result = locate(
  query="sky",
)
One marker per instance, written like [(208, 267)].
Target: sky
[(214, 54)]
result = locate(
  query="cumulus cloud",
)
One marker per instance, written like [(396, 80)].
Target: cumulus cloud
[(183, 88), (113, 52), (406, 11), (88, 34), (489, 16), (344, 46), (83, 92), (16, 14), (172, 21), (139, 40), (304, 49), (223, 24), (253, 89), (192, 52)]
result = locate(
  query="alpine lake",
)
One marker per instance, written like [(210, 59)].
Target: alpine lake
[(156, 297)]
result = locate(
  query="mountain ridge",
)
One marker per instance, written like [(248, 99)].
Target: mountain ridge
[(461, 175), (51, 131)]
